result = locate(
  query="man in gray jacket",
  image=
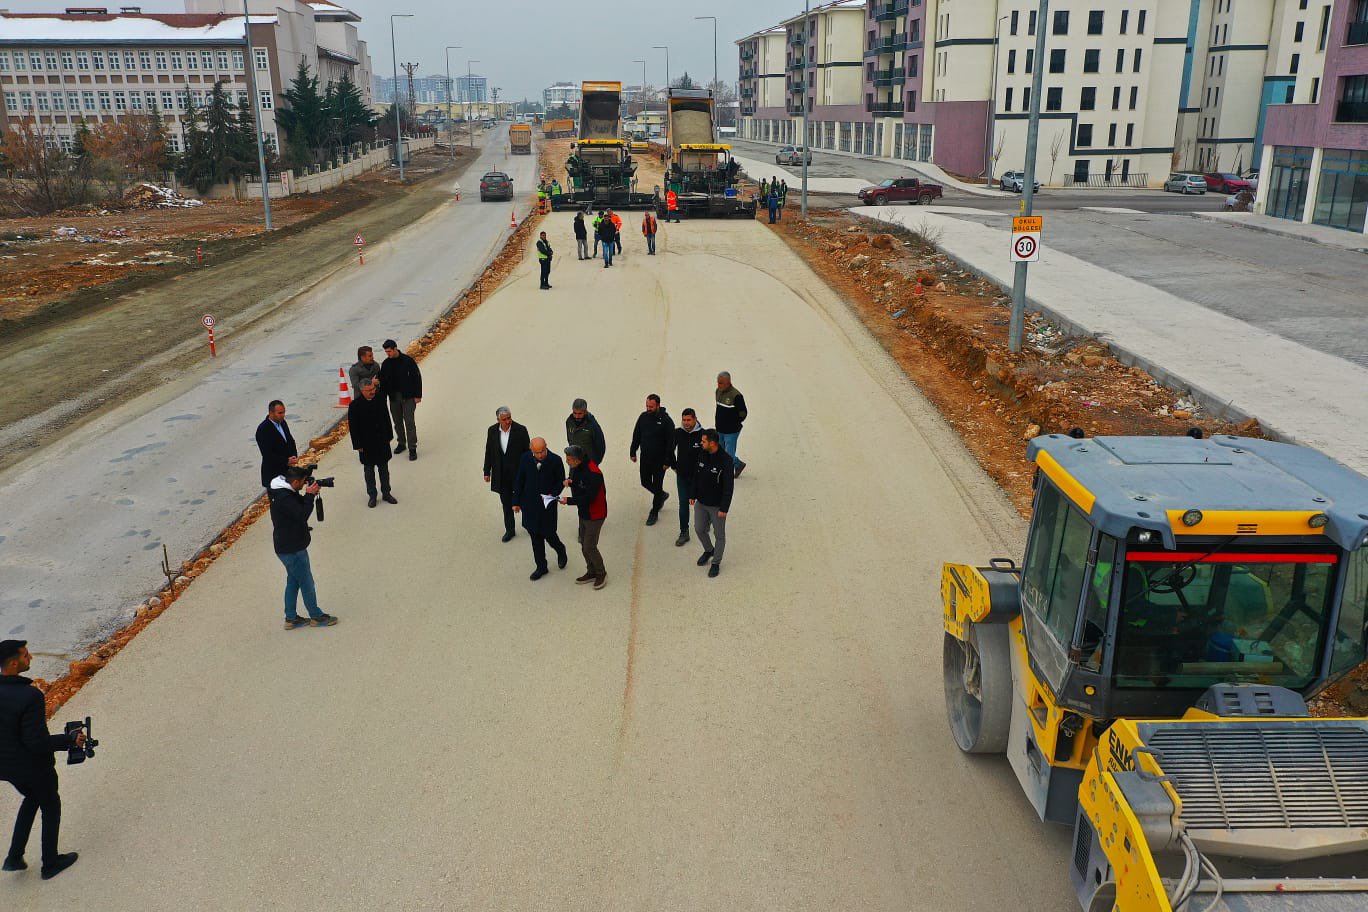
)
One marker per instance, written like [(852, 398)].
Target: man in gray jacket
[(365, 367)]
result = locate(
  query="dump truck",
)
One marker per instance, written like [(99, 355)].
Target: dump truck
[(558, 127), (600, 171), (1147, 667), (702, 173), (520, 139)]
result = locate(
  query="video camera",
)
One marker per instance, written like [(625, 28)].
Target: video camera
[(79, 754), (328, 482)]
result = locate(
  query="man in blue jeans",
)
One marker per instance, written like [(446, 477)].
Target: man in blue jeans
[(290, 513), (731, 414)]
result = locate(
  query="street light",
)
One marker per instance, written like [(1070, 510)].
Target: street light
[(643, 83), (256, 109), (992, 103), (807, 13), (394, 100), (467, 92), (714, 22), (661, 47), (1017, 326), (451, 139)]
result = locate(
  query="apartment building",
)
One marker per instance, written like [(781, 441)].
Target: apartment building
[(1314, 152), (434, 89), (763, 95), (58, 70), (561, 93)]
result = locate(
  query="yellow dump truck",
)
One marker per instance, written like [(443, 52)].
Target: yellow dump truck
[(520, 139), (558, 128)]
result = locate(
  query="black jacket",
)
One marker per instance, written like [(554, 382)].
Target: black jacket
[(581, 231), (500, 466), (544, 250), (368, 421), (730, 417), (654, 436), (534, 479), (688, 446), (25, 745), (714, 478), (400, 375), (290, 511), (607, 231), (275, 450), (586, 486), (588, 434)]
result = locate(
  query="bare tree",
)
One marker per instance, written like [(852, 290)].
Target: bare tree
[(40, 176), (1055, 145), (997, 154)]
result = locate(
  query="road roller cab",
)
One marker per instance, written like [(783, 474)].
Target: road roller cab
[(1146, 669)]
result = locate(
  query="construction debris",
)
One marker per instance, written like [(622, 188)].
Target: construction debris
[(150, 196)]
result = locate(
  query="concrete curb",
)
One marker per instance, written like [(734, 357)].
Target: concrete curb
[(1233, 220)]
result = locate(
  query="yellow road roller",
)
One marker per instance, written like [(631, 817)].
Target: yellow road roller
[(1146, 670)]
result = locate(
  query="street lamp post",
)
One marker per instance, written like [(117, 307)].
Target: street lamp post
[(661, 47), (992, 105), (1017, 327), (394, 100), (451, 134), (643, 83), (250, 66), (469, 83), (807, 12), (714, 22)]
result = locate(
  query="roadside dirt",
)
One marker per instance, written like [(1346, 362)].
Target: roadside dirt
[(101, 341)]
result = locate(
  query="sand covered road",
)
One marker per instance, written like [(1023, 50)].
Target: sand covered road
[(467, 739)]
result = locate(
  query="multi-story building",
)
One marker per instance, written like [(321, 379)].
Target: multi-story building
[(1314, 156), (561, 93), (86, 65), (763, 94)]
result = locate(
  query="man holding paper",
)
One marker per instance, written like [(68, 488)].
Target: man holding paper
[(536, 494)]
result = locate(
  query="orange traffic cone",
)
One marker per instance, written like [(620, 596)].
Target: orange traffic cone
[(513, 220), (343, 390)]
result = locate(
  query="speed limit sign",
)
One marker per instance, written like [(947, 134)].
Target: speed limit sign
[(1026, 238), (208, 321)]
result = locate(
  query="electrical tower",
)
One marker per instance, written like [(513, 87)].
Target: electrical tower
[(409, 70)]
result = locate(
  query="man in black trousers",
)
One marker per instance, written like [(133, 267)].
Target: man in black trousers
[(26, 760), (541, 474), (276, 443), (402, 382), (688, 446), (505, 444), (654, 437), (544, 254), (368, 421)]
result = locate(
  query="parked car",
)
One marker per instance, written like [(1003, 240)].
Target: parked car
[(792, 155), (900, 190), (1225, 182), (1185, 183), (495, 185), (1253, 177), (1015, 182)]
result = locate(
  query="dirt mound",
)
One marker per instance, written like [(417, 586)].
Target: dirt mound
[(150, 196)]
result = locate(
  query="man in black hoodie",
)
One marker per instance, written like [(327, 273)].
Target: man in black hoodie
[(654, 437), (714, 479), (688, 446), (290, 513), (26, 761), (402, 382)]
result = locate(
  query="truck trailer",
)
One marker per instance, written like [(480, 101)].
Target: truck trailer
[(600, 171), (520, 139), (702, 173)]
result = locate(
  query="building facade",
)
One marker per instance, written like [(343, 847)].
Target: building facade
[(86, 65), (561, 93), (762, 90), (434, 89), (1314, 156)]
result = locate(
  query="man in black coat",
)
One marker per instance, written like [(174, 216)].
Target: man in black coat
[(654, 437), (607, 237), (581, 237), (505, 444), (275, 442), (540, 472), (544, 255), (688, 446), (403, 384), (26, 760), (371, 432)]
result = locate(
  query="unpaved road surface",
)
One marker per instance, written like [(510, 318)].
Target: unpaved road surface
[(773, 739), (84, 522)]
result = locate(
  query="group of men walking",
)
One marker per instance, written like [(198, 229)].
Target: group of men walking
[(532, 482), (375, 420)]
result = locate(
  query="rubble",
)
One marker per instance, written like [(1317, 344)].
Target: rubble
[(150, 196)]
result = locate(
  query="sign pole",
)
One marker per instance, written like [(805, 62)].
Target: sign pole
[(208, 322), (1017, 327)]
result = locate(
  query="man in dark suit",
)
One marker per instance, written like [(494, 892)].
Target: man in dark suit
[(277, 445), (540, 472), (504, 446), (368, 421)]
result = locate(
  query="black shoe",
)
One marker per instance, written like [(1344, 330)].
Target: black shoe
[(371, 502), (601, 581), (586, 578), (682, 540), (704, 558), (652, 517), (14, 864), (387, 497), (538, 574), (664, 496), (714, 570), (413, 454), (509, 535), (739, 469), (57, 867), (399, 449), (562, 558)]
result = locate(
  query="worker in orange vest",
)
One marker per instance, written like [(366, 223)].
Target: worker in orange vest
[(671, 206), (648, 230), (617, 228)]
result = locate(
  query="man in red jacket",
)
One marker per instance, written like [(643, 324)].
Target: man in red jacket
[(587, 493)]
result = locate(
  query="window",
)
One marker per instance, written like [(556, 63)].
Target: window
[(1134, 96), (42, 101), (1061, 22), (1315, 91), (1084, 134), (223, 59), (913, 64), (11, 103), (105, 102), (1130, 134), (1111, 135), (114, 60), (1011, 61), (206, 60), (1031, 23), (168, 101), (1353, 103), (1300, 31), (1116, 98), (20, 61), (1030, 60), (176, 60), (135, 100), (1120, 59), (1016, 15), (1054, 99), (1140, 22), (1289, 94), (161, 60), (151, 99), (82, 60), (68, 60), (73, 101), (259, 54), (1095, 22), (50, 59), (912, 100), (144, 60), (1057, 60), (1352, 634), (1091, 60), (1026, 99), (1007, 100), (1295, 65), (265, 100), (130, 60), (237, 60), (1325, 26), (1125, 21), (1087, 98), (97, 60), (120, 101), (26, 101), (59, 101), (1136, 67), (35, 60), (4, 62), (1052, 580)]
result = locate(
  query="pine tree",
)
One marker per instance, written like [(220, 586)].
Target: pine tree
[(224, 147), (304, 118), (196, 164), (347, 106)]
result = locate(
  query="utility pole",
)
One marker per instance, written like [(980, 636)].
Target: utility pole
[(451, 137), (250, 64), (470, 90), (807, 12), (394, 99), (409, 70), (661, 47), (714, 22), (642, 96), (1018, 324)]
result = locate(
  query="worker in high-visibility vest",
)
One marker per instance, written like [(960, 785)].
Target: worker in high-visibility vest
[(671, 206)]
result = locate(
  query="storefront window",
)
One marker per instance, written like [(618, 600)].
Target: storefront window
[(924, 152), (1287, 182), (1342, 201)]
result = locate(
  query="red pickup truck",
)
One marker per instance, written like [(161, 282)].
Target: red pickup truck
[(899, 190)]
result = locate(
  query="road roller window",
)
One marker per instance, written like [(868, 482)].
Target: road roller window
[(1054, 577), (1351, 635), (1190, 620)]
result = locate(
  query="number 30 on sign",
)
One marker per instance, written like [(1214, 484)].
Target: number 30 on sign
[(1026, 238)]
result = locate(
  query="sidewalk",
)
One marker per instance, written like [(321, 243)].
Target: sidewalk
[(758, 170), (1317, 234), (1232, 368), (927, 170)]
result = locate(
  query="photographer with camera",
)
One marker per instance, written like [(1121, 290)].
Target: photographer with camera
[(26, 760), (290, 511)]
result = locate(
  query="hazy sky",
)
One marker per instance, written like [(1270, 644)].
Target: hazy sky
[(525, 45)]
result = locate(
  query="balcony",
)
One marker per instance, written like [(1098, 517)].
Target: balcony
[(795, 109), (885, 108), (1358, 33), (884, 12), (748, 92), (748, 53), (795, 85), (798, 39), (890, 44), (794, 66), (891, 77), (1351, 112)]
